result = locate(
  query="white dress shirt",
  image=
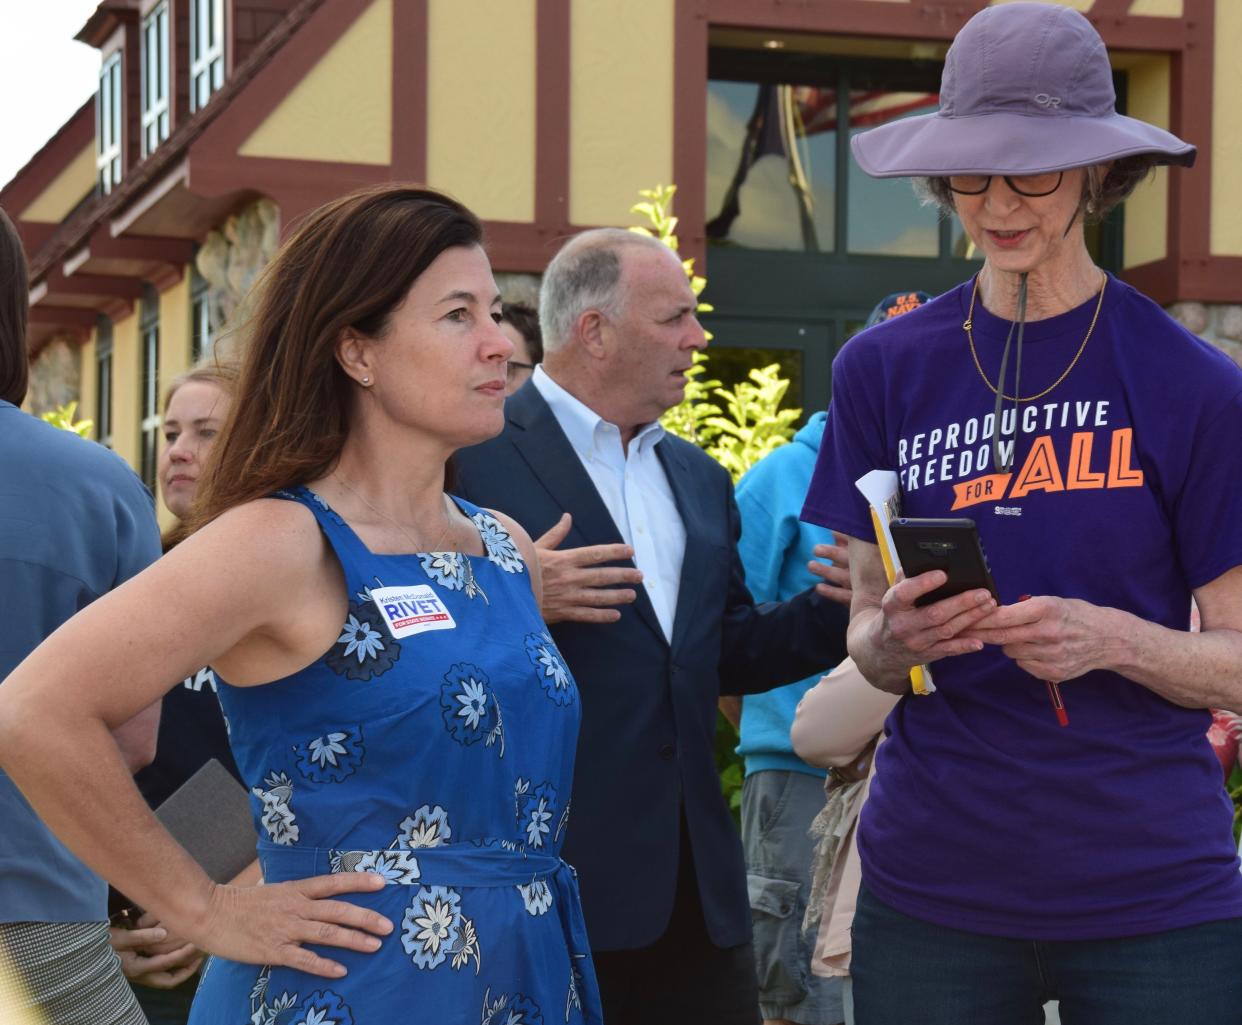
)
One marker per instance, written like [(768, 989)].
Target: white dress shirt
[(634, 489)]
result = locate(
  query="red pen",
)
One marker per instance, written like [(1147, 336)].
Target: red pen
[(1054, 692)]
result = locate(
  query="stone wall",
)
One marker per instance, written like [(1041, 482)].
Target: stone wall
[(232, 256), (1218, 323), (55, 376)]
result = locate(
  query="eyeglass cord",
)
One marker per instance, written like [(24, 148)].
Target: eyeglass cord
[(999, 463)]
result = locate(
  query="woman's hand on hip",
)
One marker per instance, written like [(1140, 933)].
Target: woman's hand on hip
[(272, 924)]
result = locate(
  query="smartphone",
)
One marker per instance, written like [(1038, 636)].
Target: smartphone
[(951, 545)]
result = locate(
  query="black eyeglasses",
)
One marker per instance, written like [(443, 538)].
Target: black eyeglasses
[(515, 366), (1022, 184)]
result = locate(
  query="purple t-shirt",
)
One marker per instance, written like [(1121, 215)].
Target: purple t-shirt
[(1126, 491)]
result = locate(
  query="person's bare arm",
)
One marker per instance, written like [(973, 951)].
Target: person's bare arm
[(137, 737), (1059, 639), (225, 589), (888, 635), (152, 958), (577, 586), (838, 717)]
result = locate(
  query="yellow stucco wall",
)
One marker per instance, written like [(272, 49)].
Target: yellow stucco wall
[(174, 332), (621, 105), (1146, 226), (342, 109), (1226, 239), (1165, 8), (481, 105), (65, 191), (126, 385), (174, 354)]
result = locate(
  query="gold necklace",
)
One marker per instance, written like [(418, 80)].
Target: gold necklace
[(448, 523), (970, 337)]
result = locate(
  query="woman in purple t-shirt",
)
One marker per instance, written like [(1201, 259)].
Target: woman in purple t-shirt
[(1011, 856)]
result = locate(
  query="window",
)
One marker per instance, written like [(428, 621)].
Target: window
[(206, 50), (886, 218), (202, 340), (103, 382), (155, 123), (779, 173), (149, 328), (771, 165), (108, 105)]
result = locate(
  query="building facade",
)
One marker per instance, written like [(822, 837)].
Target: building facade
[(218, 123)]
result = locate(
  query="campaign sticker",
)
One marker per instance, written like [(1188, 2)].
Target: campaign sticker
[(411, 610)]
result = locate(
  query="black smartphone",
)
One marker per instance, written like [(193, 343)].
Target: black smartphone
[(951, 545)]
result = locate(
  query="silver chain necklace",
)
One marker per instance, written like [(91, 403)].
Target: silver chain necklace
[(448, 522)]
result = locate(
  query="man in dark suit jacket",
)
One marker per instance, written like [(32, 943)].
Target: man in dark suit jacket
[(658, 856)]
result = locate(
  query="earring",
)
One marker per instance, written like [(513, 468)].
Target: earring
[(366, 381)]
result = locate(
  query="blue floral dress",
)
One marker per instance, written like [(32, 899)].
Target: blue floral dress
[(433, 744)]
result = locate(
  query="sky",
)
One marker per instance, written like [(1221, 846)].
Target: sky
[(45, 74)]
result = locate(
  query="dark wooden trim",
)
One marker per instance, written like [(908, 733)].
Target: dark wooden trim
[(920, 19), (411, 66), (148, 198), (296, 186), (552, 124), (1190, 191), (1157, 280), (690, 128), (103, 246), (165, 275), (1212, 279), (34, 234), (523, 248), (1199, 278), (131, 84), (67, 316), (178, 63), (93, 285)]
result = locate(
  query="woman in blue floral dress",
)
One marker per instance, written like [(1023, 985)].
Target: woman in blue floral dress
[(403, 721)]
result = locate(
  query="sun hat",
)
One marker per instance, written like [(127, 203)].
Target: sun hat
[(1027, 88)]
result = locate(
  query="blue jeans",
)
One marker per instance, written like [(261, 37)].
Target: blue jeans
[(907, 970)]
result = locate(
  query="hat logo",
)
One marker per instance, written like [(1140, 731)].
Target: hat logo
[(1044, 100)]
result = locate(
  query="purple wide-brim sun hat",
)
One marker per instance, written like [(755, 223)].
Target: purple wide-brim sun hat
[(1027, 88)]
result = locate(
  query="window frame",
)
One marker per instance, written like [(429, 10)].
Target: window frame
[(149, 392), (202, 338), (103, 382), (206, 61), (156, 78), (110, 122)]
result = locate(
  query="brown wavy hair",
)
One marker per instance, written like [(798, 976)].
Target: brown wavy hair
[(348, 266), (14, 306)]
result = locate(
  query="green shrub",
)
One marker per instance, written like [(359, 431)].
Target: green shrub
[(62, 417)]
